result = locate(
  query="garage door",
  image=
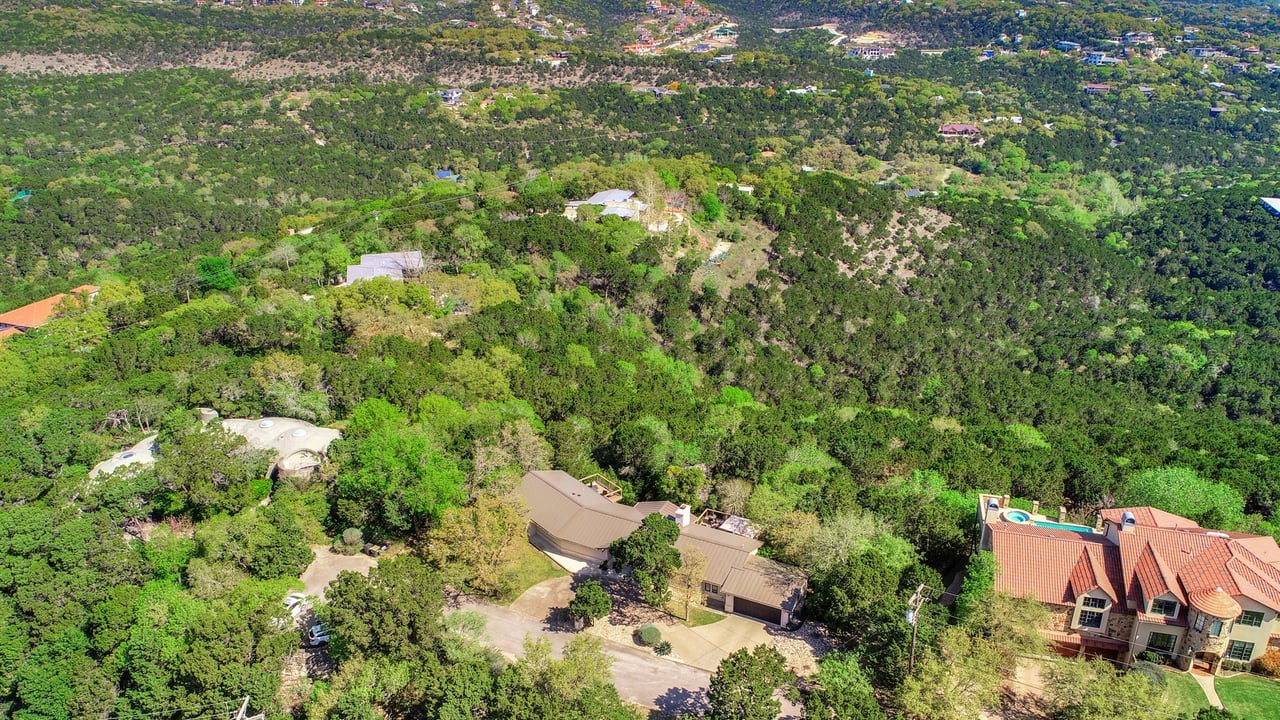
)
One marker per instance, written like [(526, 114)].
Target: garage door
[(743, 606)]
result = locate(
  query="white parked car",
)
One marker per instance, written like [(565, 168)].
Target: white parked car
[(295, 602)]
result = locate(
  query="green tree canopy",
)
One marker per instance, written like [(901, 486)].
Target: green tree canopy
[(650, 554)]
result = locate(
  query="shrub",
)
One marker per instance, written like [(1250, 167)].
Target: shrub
[(1152, 672), (1269, 663), (1235, 665), (1151, 657), (662, 648), (649, 635)]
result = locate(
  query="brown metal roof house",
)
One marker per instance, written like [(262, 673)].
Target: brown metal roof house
[(574, 519)]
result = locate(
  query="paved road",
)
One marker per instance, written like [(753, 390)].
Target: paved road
[(640, 676)]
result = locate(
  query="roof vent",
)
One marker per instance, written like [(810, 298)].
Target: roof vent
[(299, 432), (1215, 533), (266, 423), (993, 504)]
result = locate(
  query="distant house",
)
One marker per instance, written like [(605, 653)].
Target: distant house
[(622, 203), (1271, 204), (1137, 38), (1097, 89), (1146, 90), (393, 265), (448, 175), (1100, 59), (722, 59), (452, 96), (873, 52), (961, 132), (577, 522), (806, 90), (1216, 110), (40, 312), (1203, 52)]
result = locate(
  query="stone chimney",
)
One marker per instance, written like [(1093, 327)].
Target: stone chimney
[(1035, 507), (1004, 501)]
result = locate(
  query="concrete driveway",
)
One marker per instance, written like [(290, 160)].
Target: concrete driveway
[(642, 678), (325, 568), (548, 596)]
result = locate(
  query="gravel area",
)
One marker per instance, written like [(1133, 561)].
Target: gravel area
[(802, 648)]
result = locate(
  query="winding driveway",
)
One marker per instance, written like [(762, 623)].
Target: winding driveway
[(641, 677)]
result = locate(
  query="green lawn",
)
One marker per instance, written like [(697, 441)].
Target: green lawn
[(702, 616), (528, 567), (1184, 694), (1251, 697)]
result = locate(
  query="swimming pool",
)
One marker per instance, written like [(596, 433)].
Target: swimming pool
[(1017, 516), (1063, 526)]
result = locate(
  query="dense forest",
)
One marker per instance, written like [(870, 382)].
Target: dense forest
[(843, 329)]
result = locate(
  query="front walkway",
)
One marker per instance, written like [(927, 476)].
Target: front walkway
[(1205, 680)]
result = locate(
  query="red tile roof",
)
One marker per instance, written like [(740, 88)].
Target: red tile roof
[(1162, 619), (1148, 516), (9, 331), (1053, 566), (1161, 554), (41, 311)]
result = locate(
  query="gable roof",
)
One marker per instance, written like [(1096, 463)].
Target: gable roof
[(40, 312), (566, 508), (1052, 566), (1148, 516)]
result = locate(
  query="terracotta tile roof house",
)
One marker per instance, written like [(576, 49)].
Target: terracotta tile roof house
[(1143, 580), (574, 519), (41, 312)]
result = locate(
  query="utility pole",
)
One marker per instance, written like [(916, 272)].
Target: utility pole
[(242, 713), (913, 617)]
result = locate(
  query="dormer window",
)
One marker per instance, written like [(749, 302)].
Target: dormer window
[(1095, 603), (1167, 608)]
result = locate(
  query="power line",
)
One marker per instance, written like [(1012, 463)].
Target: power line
[(129, 715)]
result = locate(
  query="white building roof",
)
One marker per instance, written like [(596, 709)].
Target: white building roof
[(294, 444), (142, 454), (392, 265), (605, 197), (1271, 204)]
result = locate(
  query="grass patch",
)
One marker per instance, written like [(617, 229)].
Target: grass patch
[(1184, 694), (702, 616), (1249, 696), (528, 567)]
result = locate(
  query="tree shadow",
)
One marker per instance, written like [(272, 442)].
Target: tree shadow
[(629, 608), (682, 702)]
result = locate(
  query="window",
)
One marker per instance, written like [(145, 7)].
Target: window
[(1090, 618), (1215, 630), (709, 588), (1199, 622), (1237, 650), (1096, 603), (1250, 618), (1161, 642), (1168, 608)]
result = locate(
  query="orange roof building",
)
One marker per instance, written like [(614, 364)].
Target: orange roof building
[(41, 312), (1144, 579)]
